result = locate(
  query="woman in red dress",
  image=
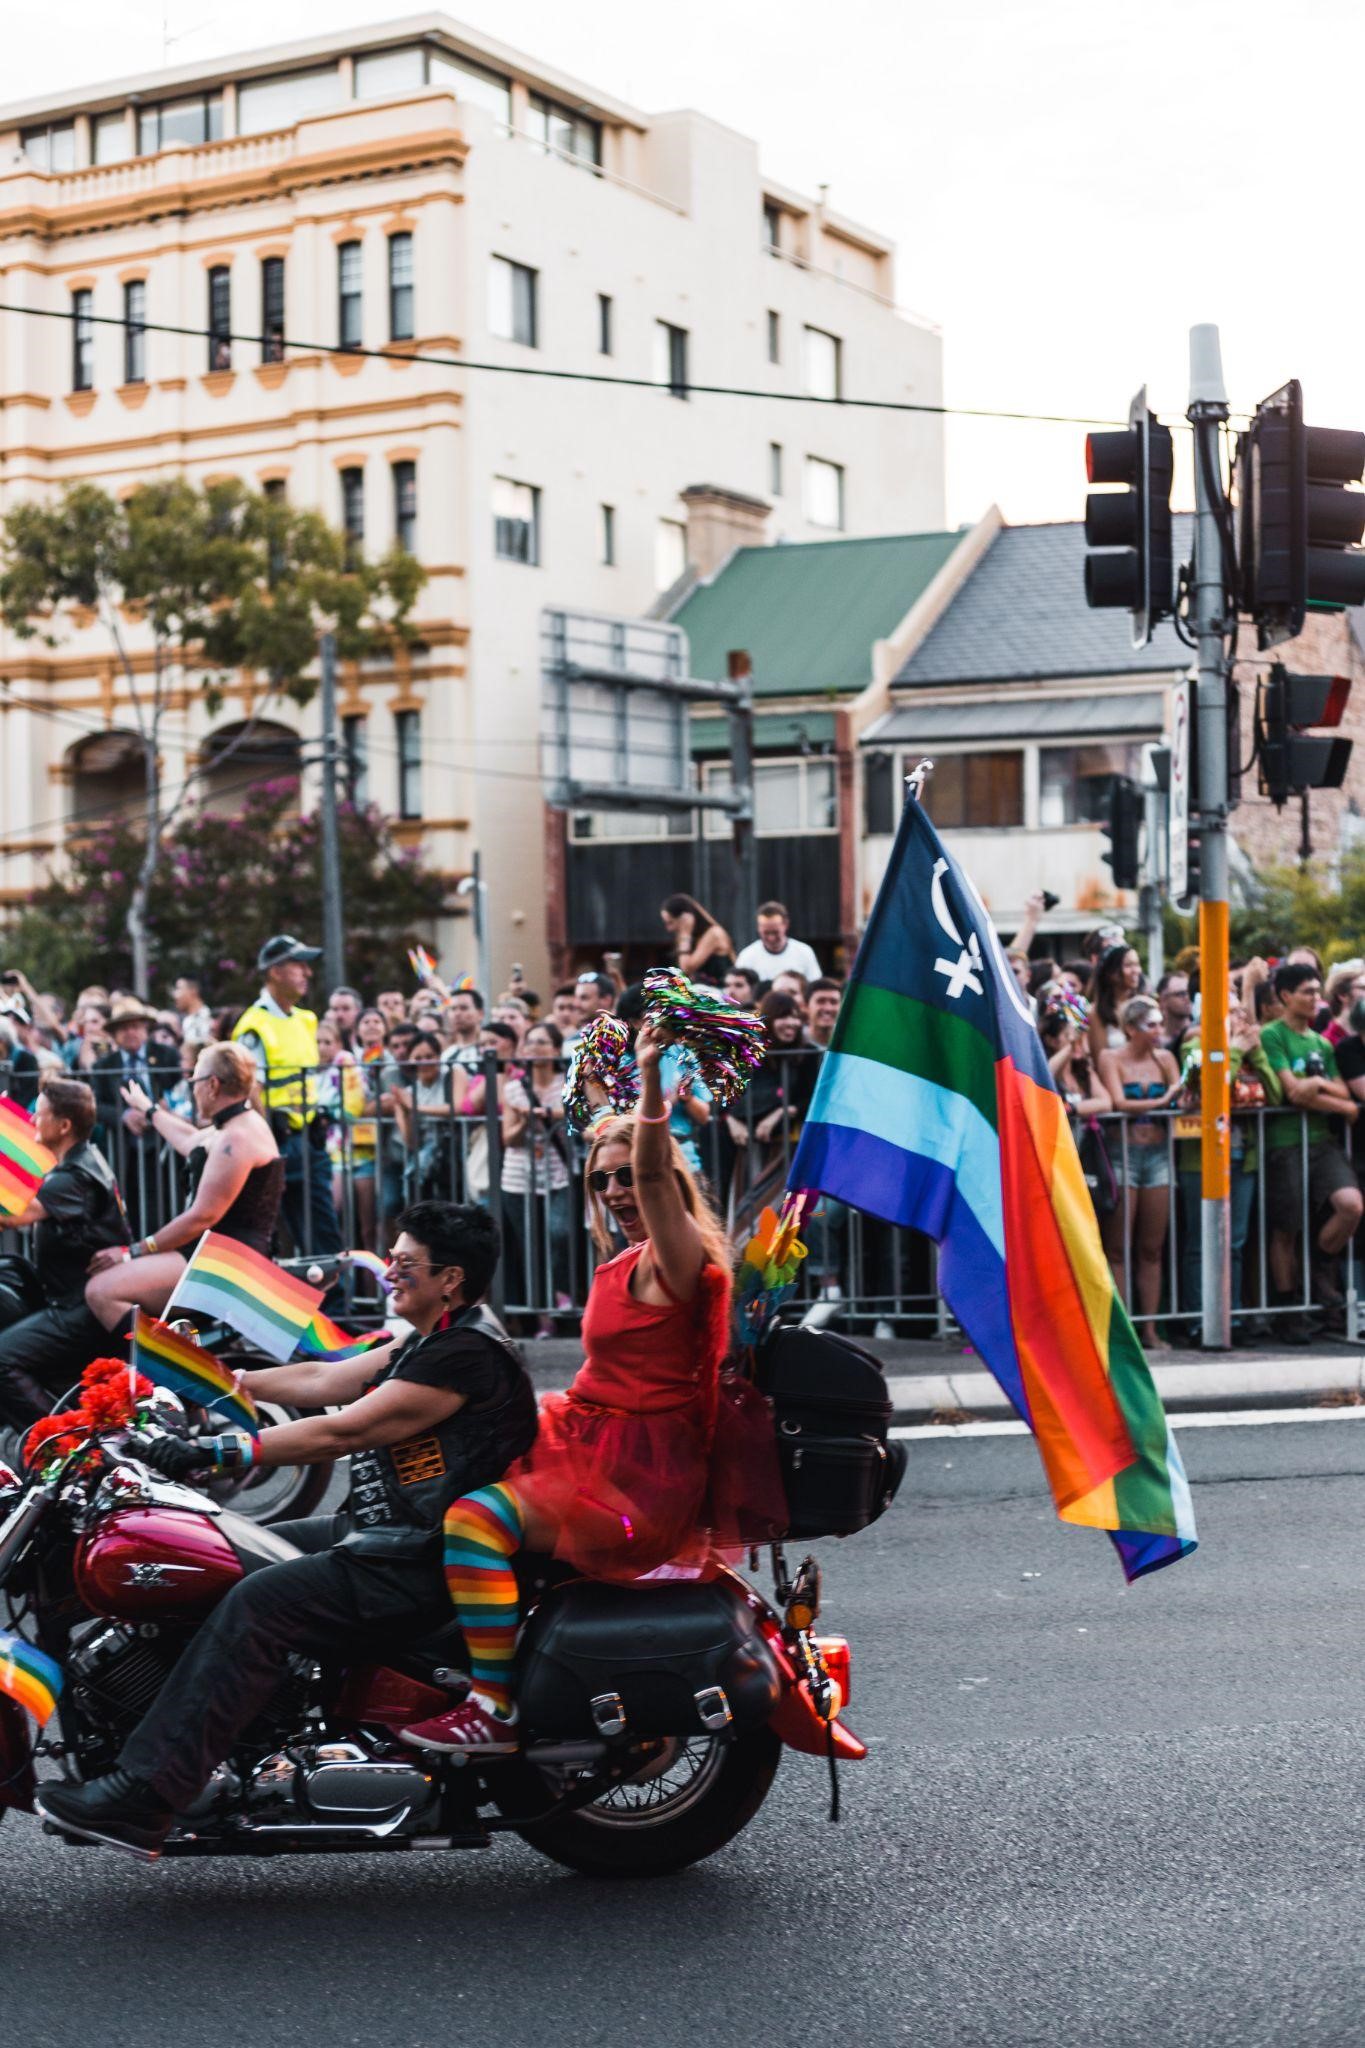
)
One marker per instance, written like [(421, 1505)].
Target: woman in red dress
[(619, 1480)]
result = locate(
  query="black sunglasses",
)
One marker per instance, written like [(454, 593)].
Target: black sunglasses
[(624, 1176)]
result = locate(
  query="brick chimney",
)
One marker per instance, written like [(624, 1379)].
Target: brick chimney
[(719, 520)]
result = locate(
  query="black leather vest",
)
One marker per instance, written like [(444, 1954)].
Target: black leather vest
[(400, 1492)]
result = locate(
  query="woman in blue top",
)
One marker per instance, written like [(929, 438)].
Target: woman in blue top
[(1141, 1078)]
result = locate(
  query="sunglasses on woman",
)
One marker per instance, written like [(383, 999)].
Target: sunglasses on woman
[(624, 1177)]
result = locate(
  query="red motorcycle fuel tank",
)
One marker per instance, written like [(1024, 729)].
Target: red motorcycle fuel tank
[(151, 1561)]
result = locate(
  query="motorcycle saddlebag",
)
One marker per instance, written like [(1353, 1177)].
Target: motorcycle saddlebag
[(675, 1657), (831, 1411)]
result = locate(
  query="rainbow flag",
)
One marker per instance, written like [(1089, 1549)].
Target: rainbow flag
[(170, 1360), (23, 1161), (935, 1109), (329, 1343), (370, 1262), (30, 1678), (247, 1292)]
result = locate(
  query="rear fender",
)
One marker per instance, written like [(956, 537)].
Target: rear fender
[(16, 1758), (797, 1720)]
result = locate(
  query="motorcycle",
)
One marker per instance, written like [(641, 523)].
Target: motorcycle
[(654, 1715)]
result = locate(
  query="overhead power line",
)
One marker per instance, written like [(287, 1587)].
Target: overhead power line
[(401, 353)]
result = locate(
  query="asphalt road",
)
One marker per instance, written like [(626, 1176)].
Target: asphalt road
[(1090, 1815)]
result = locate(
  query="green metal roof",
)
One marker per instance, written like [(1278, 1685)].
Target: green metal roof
[(807, 613), (772, 729)]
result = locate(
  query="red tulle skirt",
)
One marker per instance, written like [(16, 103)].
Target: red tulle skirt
[(626, 1493)]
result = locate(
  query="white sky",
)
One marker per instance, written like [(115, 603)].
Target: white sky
[(1071, 183)]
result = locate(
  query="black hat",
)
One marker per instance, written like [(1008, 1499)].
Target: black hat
[(276, 951)]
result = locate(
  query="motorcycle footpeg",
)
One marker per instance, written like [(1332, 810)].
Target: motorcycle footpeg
[(608, 1712), (713, 1709)]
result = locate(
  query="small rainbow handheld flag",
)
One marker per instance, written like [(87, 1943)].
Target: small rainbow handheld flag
[(370, 1262), (329, 1343), (23, 1161), (423, 965), (170, 1360), (247, 1292), (28, 1676)]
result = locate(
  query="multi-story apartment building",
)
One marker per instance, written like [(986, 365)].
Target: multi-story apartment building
[(424, 191)]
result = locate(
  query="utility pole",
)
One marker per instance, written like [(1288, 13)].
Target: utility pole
[(333, 926), (1207, 411), (740, 713)]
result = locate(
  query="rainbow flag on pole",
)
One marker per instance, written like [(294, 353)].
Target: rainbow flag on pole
[(28, 1676), (23, 1161), (935, 1109), (170, 1360), (327, 1342), (247, 1292)]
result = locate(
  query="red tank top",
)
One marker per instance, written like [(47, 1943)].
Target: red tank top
[(645, 1359)]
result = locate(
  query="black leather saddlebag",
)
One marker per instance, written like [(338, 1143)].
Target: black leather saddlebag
[(832, 1413), (679, 1657)]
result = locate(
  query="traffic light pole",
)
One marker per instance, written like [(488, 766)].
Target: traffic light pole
[(1208, 603)]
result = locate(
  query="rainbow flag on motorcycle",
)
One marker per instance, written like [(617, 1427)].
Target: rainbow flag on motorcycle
[(935, 1109), (248, 1292), (328, 1343), (28, 1676), (23, 1161), (169, 1360)]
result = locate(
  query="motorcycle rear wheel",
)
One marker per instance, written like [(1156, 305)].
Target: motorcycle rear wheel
[(680, 1810)]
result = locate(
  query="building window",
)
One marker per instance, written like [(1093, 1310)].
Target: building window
[(824, 493), (353, 510), (378, 72), (82, 342), (976, 790), (512, 295), (516, 521), (794, 796), (774, 337), (272, 309), (564, 131), (775, 469), (670, 357), (670, 553), (1074, 782), (402, 312), (355, 757), (405, 506), (51, 147), (772, 227), (220, 318), (824, 364), (275, 489), (135, 331), (607, 549), (408, 732), (472, 83), (348, 295), (184, 124), (281, 101), (605, 345), (110, 139)]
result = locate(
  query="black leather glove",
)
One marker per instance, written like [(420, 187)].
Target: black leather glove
[(175, 1457)]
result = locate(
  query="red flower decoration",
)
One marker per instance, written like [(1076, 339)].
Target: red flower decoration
[(58, 1430)]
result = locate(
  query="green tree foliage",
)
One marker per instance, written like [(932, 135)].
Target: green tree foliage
[(1294, 906), (192, 586), (223, 885)]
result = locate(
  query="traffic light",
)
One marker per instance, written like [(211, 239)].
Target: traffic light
[(1291, 757), (1300, 519), (1121, 826), (1136, 573)]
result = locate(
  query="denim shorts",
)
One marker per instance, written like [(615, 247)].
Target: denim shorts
[(1148, 1166)]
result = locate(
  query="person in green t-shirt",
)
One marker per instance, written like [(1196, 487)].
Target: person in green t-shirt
[(1303, 1146)]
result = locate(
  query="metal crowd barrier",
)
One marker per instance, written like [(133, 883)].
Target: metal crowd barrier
[(378, 1156)]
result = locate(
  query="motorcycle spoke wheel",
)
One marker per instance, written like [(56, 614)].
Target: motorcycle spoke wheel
[(666, 1787)]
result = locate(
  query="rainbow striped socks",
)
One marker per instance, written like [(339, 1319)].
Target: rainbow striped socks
[(481, 1532)]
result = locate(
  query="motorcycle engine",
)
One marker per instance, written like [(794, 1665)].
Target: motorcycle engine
[(115, 1672), (342, 1786)]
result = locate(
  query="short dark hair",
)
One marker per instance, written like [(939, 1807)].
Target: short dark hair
[(397, 1031), (755, 981), (566, 988), (551, 1030), (456, 1234), (630, 1004), (72, 1100), (824, 981), (603, 983), (474, 995), (501, 1029), (775, 909), (427, 1038), (1293, 975)]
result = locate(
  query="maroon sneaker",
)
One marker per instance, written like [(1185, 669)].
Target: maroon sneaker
[(470, 1729)]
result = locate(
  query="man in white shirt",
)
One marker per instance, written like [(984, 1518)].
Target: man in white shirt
[(775, 950)]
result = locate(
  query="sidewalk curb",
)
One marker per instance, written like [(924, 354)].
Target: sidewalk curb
[(1260, 1380)]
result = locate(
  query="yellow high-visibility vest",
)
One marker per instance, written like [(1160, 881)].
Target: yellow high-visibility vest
[(291, 1054)]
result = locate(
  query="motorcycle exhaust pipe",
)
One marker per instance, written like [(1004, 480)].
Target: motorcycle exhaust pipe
[(565, 1752)]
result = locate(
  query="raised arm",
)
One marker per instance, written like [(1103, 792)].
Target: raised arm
[(676, 1251)]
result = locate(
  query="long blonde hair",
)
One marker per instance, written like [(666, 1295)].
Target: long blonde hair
[(620, 1130)]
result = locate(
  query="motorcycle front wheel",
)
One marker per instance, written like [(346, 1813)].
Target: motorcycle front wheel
[(683, 1806)]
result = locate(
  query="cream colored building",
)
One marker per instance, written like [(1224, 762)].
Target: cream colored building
[(424, 189)]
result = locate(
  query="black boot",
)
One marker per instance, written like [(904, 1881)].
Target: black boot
[(118, 1809)]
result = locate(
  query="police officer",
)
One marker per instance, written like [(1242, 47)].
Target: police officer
[(283, 1037), (76, 1212), (422, 1421)]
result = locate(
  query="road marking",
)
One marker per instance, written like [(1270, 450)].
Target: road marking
[(1237, 1418)]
